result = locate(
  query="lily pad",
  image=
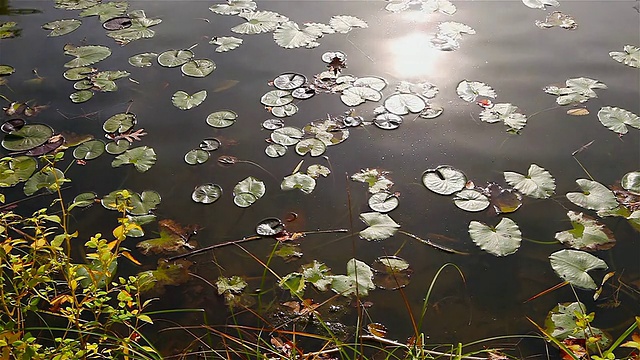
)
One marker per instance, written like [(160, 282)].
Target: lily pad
[(196, 156), (117, 147), (6, 70), (270, 227), (629, 56), (174, 58), (304, 182), (142, 158), (506, 113), (89, 150), (314, 147), (139, 28), (387, 121), (78, 73), (631, 182), (86, 55), (28, 137), (391, 272), (117, 23), (48, 178), (143, 60), (503, 200), (167, 273), (289, 81), (198, 67), (444, 180), (402, 104), (184, 101), (540, 4), (358, 281), (276, 98), (222, 118), (226, 43), (594, 196), (470, 90), (316, 170), (502, 240), (233, 7), (289, 36), (573, 265), (383, 202), (207, 193), (119, 123), (285, 110), (16, 170), (106, 11), (12, 125), (616, 119), (62, 27), (380, 226), (259, 22), (81, 96), (344, 23), (562, 323), (272, 124), (84, 200), (247, 191), (587, 234), (287, 135), (275, 150), (538, 183), (211, 144), (471, 200)]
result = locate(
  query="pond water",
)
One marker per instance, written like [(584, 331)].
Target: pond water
[(508, 52)]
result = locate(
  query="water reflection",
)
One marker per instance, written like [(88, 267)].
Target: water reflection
[(412, 56)]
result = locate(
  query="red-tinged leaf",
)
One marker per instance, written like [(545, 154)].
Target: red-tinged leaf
[(131, 258), (577, 348), (377, 329)]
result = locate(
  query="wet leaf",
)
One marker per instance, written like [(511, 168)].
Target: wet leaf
[(540, 4), (276, 98), (454, 30), (52, 144), (248, 191), (380, 226), (27, 137), (169, 241), (78, 73), (503, 200), (318, 274), (631, 182), (139, 28), (629, 56), (441, 6), (289, 81), (559, 19), (344, 23), (62, 27), (581, 111), (174, 58), (83, 200), (471, 200), (587, 234), (377, 329), (287, 135), (383, 202), (501, 240), (304, 182), (444, 180), (222, 118), (211, 144), (198, 68), (234, 284), (315, 171), (258, 22), (561, 323), (285, 110), (117, 147), (617, 119), (16, 170), (402, 104), (594, 196), (117, 23), (387, 121), (85, 55), (12, 125), (75, 4), (289, 36), (207, 193), (330, 132), (226, 43), (577, 90), (289, 252), (119, 123), (106, 11), (81, 96), (47, 179), (470, 90), (391, 272), (6, 70), (270, 227), (358, 281), (272, 124), (573, 265), (142, 158), (9, 29), (275, 150), (233, 7), (184, 101), (89, 150), (167, 273), (504, 112), (196, 156), (314, 147), (143, 60), (538, 183)]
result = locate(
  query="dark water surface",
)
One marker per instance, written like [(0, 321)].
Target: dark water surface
[(508, 52)]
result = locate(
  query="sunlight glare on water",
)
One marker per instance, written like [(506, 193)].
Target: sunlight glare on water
[(412, 56)]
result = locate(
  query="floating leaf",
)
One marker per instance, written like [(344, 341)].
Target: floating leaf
[(540, 4), (314, 147), (106, 11), (441, 6), (471, 200), (247, 191), (289, 35), (211, 144), (276, 98), (207, 193), (381, 226), (425, 89), (594, 196), (78, 73), (184, 101), (391, 272), (234, 284), (630, 56), (562, 323), (581, 111), (538, 183), (226, 43), (174, 58), (142, 204), (6, 70), (387, 121), (9, 29), (285, 110), (167, 273), (444, 180), (617, 119), (86, 55), (222, 118), (631, 182), (383, 202), (303, 93), (81, 96), (16, 170), (572, 266), (358, 281), (329, 131), (287, 135), (198, 68), (587, 234), (503, 200), (559, 19), (62, 27), (75, 4), (272, 124), (275, 150), (454, 30), (119, 123), (269, 227), (173, 237), (27, 137), (117, 147), (142, 60), (83, 200), (431, 112), (142, 158), (289, 81), (402, 104), (48, 178), (470, 90), (196, 156), (316, 170), (504, 112), (89, 150), (233, 7), (304, 182), (344, 23), (12, 125), (117, 23), (502, 240), (373, 82), (139, 28), (259, 22)]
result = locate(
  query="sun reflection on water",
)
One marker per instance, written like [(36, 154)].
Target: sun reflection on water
[(412, 56)]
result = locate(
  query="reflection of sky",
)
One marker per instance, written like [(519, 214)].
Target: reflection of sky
[(412, 56)]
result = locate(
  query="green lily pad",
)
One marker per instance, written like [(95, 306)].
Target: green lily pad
[(276, 98), (75, 4), (594, 196), (28, 137), (142, 158), (391, 272), (234, 284), (16, 170), (184, 101), (444, 180), (502, 240), (106, 11), (359, 280), (78, 73), (198, 68), (222, 118), (630, 55), (631, 182), (382, 202), (9, 29), (83, 200), (573, 265), (538, 183), (587, 234), (81, 96), (46, 179), (84, 84), (616, 119), (562, 323), (89, 150), (62, 27), (207, 193), (380, 226), (117, 147), (314, 147), (470, 90), (86, 55), (6, 70), (471, 200), (248, 191), (167, 273), (167, 242), (139, 28), (142, 60), (304, 182), (174, 58), (196, 156), (119, 123), (142, 204)]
